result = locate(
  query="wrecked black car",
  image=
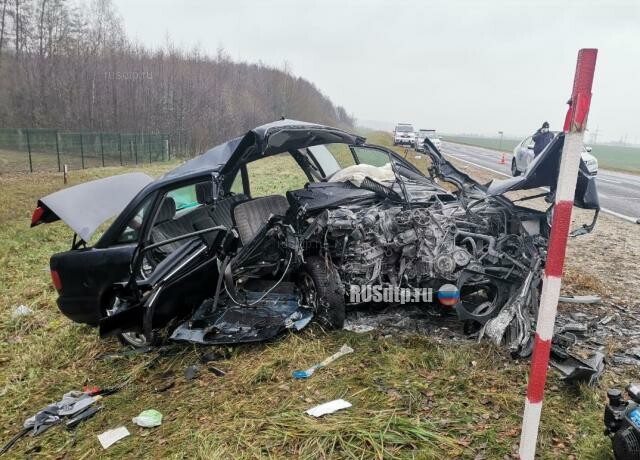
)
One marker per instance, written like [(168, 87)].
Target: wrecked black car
[(199, 255)]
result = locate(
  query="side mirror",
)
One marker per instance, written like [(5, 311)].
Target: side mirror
[(530, 147), (588, 149)]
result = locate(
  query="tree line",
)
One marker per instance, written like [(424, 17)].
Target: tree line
[(70, 66)]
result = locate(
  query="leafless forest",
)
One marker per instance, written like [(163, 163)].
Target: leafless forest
[(70, 65)]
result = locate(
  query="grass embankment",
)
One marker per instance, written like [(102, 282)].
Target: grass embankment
[(626, 159), (413, 397)]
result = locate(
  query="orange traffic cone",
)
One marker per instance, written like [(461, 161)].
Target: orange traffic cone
[(503, 160)]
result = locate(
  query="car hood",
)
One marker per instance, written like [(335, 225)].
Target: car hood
[(86, 206), (543, 172)]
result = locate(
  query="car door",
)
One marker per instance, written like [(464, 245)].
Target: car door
[(84, 277), (523, 159)]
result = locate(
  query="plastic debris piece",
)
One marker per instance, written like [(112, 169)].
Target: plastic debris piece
[(21, 311), (344, 350), (82, 416), (358, 328), (328, 407), (607, 319), (217, 372), (191, 372), (148, 418), (586, 299), (108, 438)]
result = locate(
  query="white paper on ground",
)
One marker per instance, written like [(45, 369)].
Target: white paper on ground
[(328, 407), (112, 436)]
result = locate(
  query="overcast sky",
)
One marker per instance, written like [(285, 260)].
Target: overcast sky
[(457, 66)]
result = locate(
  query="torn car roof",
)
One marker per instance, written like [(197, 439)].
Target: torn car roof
[(265, 140)]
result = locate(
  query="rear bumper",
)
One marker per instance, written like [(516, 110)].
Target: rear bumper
[(80, 310)]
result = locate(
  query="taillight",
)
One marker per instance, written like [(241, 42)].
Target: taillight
[(57, 283), (37, 215)]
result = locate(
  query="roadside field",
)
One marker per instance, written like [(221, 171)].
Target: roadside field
[(609, 156), (413, 395)]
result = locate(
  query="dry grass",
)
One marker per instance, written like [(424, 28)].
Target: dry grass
[(413, 397)]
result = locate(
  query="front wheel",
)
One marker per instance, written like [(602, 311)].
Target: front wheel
[(514, 168), (322, 290)]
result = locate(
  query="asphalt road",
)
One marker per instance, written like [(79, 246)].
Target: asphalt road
[(619, 192)]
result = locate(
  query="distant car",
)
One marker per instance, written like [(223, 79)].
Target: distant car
[(523, 155), (427, 133), (403, 134)]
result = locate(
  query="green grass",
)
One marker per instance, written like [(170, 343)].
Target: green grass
[(609, 156), (413, 396)]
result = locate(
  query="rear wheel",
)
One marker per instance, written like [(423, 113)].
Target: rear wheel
[(514, 168), (133, 339), (322, 290)]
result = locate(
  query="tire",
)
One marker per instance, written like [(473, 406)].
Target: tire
[(323, 290), (132, 339), (514, 168)]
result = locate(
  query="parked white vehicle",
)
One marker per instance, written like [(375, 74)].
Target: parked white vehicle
[(523, 155), (427, 133), (403, 134)]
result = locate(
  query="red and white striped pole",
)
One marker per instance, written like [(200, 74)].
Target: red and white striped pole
[(575, 124)]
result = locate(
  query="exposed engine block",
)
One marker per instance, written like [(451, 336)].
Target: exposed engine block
[(389, 244)]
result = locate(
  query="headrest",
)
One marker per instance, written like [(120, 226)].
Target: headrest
[(204, 192), (167, 210)]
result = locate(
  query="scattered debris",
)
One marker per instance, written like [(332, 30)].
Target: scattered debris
[(108, 438), (576, 369), (607, 319), (21, 311), (216, 371), (358, 328), (328, 408), (344, 350), (584, 299), (82, 416), (71, 404), (191, 372), (148, 418)]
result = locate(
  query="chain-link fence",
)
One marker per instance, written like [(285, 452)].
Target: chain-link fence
[(49, 150)]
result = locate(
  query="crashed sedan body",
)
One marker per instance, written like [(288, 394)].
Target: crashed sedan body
[(198, 256)]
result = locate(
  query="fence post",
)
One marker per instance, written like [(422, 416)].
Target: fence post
[(135, 149), (166, 148), (58, 150), (29, 150), (81, 151), (120, 147), (149, 150), (102, 149)]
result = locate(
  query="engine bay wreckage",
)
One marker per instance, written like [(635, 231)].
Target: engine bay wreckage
[(225, 266)]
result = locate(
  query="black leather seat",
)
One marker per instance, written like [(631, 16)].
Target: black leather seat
[(251, 215)]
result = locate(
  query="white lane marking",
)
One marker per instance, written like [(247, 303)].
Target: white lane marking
[(633, 220), (609, 180)]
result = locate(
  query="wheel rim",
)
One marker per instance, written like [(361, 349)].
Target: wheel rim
[(134, 339), (309, 292)]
